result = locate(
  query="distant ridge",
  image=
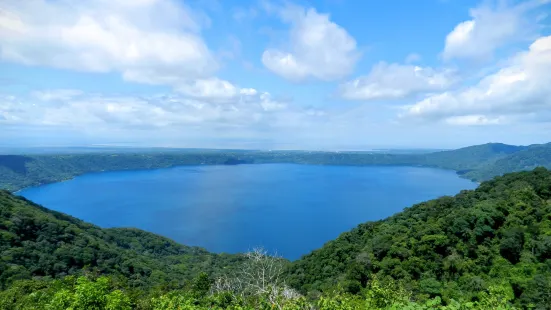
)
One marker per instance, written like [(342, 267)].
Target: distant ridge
[(478, 162), (526, 158)]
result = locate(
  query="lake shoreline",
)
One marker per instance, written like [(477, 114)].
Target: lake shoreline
[(16, 191), (291, 208)]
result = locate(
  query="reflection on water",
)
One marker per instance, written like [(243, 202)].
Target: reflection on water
[(289, 208)]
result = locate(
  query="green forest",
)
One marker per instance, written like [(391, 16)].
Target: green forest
[(488, 248), (478, 163)]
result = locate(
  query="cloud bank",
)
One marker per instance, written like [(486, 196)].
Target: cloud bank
[(521, 90)]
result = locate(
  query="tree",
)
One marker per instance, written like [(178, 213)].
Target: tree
[(512, 244), (202, 284), (260, 276)]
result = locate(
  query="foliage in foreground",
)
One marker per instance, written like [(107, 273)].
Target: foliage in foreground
[(84, 293), (257, 285)]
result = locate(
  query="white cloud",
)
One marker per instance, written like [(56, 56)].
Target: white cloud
[(213, 88), (248, 91), (219, 91), (519, 90), (149, 41), (490, 28), (317, 48), (470, 120), (394, 81), (269, 104), (247, 108), (56, 94)]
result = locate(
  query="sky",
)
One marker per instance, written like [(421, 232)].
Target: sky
[(267, 74)]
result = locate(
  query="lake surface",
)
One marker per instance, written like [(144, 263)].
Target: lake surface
[(291, 209)]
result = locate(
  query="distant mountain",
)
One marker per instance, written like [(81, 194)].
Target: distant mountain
[(525, 159), (472, 157), (36, 242), (479, 162), (20, 171)]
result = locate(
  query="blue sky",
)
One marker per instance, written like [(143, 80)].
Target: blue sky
[(324, 74)]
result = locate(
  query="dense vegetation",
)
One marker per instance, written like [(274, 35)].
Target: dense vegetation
[(39, 243), (18, 171), (489, 248), (525, 159), (498, 235), (479, 163)]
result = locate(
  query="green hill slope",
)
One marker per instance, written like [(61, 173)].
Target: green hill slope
[(472, 157), (20, 171), (37, 242), (452, 247), (526, 159)]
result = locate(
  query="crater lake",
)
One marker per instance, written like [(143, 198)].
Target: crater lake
[(285, 208)]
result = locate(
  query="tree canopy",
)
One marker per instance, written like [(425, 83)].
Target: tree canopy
[(39, 243), (451, 247), (488, 248)]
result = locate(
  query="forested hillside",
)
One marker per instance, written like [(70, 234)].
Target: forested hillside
[(453, 247), (37, 242), (470, 158), (489, 248), (479, 163), (19, 171), (526, 159)]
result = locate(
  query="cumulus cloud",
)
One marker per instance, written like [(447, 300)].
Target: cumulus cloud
[(395, 81), (213, 88), (219, 91), (520, 90), (317, 48), (247, 108), (490, 28), (148, 41)]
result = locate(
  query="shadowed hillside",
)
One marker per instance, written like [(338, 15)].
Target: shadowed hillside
[(37, 242)]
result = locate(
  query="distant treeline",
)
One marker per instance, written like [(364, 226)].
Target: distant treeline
[(478, 163)]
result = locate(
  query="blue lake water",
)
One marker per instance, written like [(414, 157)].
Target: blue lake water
[(291, 209)]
